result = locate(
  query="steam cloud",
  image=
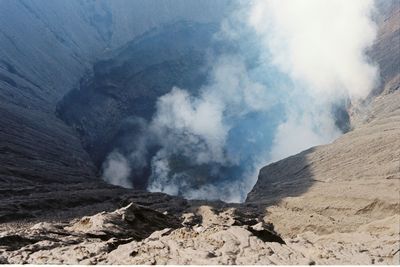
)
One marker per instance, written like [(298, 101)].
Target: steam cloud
[(310, 56), (117, 170)]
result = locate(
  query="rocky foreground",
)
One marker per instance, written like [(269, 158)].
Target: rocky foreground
[(139, 235)]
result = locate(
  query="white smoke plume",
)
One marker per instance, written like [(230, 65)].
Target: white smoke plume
[(197, 128), (320, 44)]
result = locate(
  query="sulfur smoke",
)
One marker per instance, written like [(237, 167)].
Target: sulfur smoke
[(275, 96)]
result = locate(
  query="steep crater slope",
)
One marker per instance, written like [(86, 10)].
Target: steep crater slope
[(45, 48), (369, 153)]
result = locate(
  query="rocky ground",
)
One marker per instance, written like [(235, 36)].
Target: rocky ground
[(204, 235)]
